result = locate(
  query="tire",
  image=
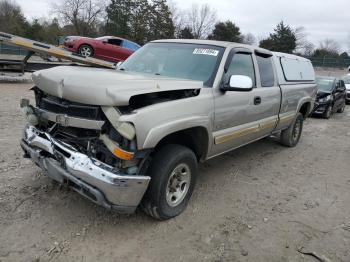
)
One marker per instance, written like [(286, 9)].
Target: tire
[(342, 109), (291, 136), (86, 50), (160, 200), (328, 113)]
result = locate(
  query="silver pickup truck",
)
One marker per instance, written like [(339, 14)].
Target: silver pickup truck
[(134, 136)]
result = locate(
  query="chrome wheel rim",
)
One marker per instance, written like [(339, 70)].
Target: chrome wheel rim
[(85, 51), (178, 185)]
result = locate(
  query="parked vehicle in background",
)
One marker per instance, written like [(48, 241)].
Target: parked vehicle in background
[(346, 80), (136, 134), (331, 96), (109, 48)]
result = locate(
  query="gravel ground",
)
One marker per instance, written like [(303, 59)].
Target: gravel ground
[(262, 202)]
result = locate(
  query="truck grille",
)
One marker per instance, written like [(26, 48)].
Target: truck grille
[(61, 106)]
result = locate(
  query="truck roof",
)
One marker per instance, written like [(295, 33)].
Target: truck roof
[(210, 42)]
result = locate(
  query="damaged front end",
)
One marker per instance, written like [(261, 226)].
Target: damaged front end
[(87, 148)]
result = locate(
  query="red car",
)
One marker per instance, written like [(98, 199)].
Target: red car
[(109, 48)]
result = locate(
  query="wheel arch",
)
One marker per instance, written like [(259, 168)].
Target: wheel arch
[(305, 108), (196, 138)]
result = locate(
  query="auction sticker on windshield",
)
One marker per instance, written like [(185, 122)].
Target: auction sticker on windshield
[(205, 51)]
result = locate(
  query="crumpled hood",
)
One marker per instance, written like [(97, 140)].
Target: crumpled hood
[(105, 87), (322, 94)]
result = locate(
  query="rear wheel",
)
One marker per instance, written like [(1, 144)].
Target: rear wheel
[(173, 176), (86, 50), (291, 136)]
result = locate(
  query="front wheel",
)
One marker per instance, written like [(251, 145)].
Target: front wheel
[(173, 176), (342, 109), (291, 136), (86, 50), (328, 112)]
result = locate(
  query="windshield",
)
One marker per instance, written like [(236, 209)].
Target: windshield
[(178, 60), (347, 79), (324, 84)]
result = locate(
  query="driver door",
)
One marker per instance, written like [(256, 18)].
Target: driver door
[(242, 117)]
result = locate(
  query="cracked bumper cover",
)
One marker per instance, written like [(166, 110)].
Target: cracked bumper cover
[(89, 177)]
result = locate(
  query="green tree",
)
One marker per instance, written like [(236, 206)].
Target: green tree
[(226, 31), (282, 40), (186, 33), (36, 31), (12, 19), (140, 20), (119, 18), (344, 55), (324, 53), (161, 23)]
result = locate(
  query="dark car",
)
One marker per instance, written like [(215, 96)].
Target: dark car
[(330, 96), (110, 48), (346, 80)]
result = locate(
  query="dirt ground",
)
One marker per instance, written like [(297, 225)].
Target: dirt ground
[(262, 202)]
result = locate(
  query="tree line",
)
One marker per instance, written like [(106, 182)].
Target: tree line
[(142, 21)]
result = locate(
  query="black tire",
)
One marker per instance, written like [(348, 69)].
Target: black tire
[(291, 136), (86, 50), (341, 110), (328, 113), (162, 169)]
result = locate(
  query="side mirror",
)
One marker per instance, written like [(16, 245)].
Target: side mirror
[(104, 42), (239, 83)]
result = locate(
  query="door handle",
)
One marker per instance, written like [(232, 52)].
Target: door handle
[(257, 100)]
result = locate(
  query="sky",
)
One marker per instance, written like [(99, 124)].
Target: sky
[(321, 18)]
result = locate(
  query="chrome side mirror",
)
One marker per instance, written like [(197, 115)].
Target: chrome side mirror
[(239, 83)]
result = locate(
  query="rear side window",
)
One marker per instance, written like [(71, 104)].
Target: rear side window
[(115, 41), (267, 76), (241, 64), (297, 70)]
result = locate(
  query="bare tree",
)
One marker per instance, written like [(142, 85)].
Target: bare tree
[(308, 49), (249, 39), (178, 17), (83, 15), (330, 45), (201, 20), (303, 46)]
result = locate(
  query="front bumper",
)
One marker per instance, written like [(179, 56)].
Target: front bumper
[(320, 108), (90, 177)]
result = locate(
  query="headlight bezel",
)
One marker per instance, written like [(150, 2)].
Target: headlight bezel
[(325, 99)]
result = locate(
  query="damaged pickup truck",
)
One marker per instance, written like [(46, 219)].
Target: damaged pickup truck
[(134, 136)]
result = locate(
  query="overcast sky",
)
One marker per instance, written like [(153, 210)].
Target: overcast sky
[(321, 18)]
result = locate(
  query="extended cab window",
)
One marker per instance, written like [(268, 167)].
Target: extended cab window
[(267, 76), (241, 64)]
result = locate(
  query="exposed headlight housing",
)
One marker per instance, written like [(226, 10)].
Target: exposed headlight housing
[(125, 129), (325, 99)]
